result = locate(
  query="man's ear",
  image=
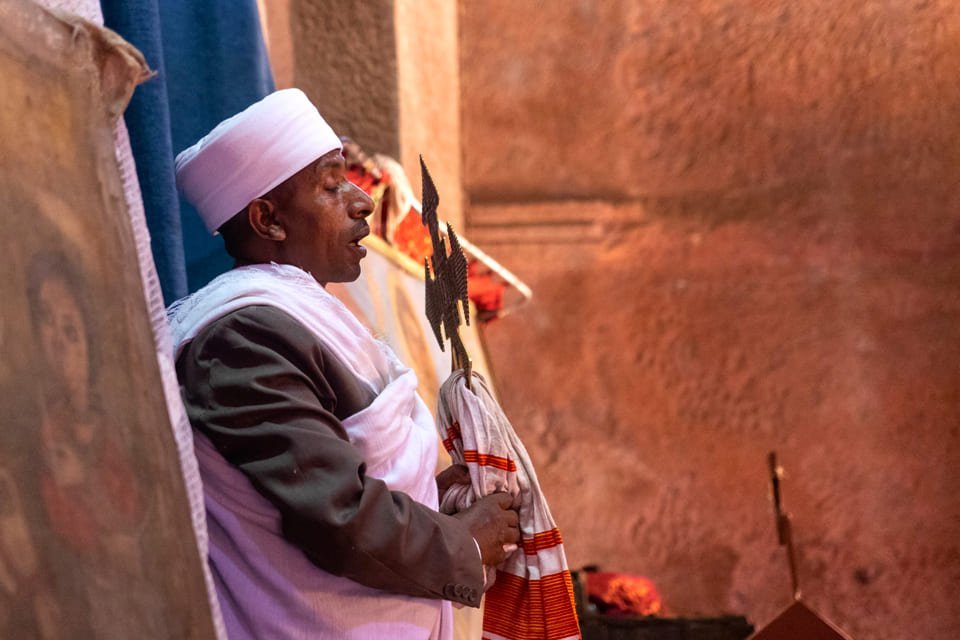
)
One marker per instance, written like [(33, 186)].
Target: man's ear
[(265, 221)]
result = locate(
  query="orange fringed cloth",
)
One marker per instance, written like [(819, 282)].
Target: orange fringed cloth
[(531, 596)]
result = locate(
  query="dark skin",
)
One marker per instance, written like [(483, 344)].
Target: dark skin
[(315, 221)]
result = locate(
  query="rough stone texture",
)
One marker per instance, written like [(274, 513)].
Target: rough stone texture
[(428, 81), (740, 222), (384, 72), (345, 59), (275, 22)]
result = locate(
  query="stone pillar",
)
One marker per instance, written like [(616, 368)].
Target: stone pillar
[(275, 20), (428, 82), (384, 72)]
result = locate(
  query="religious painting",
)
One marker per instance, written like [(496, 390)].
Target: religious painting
[(95, 534)]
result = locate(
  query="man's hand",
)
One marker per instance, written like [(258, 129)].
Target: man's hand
[(493, 524), (454, 474)]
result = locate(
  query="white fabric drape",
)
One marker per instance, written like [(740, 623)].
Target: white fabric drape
[(268, 588)]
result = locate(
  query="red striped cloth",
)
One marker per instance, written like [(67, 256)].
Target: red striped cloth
[(531, 596)]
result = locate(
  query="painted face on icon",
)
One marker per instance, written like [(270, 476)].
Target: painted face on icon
[(63, 339)]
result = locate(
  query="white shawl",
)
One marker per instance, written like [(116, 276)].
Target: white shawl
[(267, 587), (531, 597)]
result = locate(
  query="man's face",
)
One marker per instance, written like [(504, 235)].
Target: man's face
[(324, 216)]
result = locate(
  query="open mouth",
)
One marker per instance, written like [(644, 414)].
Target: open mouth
[(355, 243)]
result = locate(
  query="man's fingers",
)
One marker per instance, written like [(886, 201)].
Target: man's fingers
[(460, 474), (494, 524), (454, 474), (510, 535), (505, 500)]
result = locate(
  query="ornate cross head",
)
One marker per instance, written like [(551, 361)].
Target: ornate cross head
[(447, 304)]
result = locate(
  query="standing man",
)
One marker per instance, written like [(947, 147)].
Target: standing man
[(315, 451)]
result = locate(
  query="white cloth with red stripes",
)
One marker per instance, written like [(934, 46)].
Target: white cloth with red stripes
[(530, 594)]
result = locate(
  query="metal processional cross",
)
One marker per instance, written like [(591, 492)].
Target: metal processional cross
[(446, 288)]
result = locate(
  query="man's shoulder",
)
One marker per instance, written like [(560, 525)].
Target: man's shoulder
[(258, 316), (261, 334), (254, 324)]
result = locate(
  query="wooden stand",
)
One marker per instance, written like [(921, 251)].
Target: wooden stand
[(798, 621)]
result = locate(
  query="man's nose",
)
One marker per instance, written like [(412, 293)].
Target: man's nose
[(362, 205)]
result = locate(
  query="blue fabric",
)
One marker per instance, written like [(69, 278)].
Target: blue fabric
[(217, 62), (213, 63), (148, 122)]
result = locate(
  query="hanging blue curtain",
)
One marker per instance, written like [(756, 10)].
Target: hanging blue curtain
[(212, 63), (148, 123)]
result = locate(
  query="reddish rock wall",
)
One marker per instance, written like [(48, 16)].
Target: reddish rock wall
[(428, 81), (741, 224)]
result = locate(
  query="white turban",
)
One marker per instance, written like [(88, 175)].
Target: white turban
[(247, 155)]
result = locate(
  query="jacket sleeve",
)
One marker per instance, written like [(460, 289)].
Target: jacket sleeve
[(256, 383)]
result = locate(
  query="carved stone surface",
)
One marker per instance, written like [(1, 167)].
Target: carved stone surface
[(344, 59), (740, 222)]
